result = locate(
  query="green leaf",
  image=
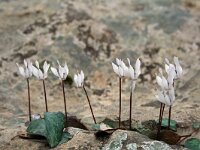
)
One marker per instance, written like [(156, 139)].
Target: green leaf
[(173, 124), (96, 127), (196, 125), (111, 123), (51, 127), (65, 137), (37, 127), (54, 127), (193, 144)]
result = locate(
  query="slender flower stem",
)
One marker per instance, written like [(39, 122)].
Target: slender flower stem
[(162, 107), (45, 95), (89, 104), (120, 100), (130, 114), (29, 100), (63, 89), (169, 118), (160, 121)]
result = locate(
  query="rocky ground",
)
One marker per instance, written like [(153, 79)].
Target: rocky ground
[(89, 35)]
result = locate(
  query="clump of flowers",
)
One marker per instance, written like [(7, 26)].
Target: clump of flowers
[(26, 72), (123, 71), (79, 81), (61, 73), (166, 94)]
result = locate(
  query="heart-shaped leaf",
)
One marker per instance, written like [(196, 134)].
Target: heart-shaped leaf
[(173, 124), (54, 127), (37, 127), (193, 144), (51, 127)]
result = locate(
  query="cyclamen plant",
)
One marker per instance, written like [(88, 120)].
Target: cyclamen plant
[(62, 73), (26, 72), (166, 94), (123, 71), (41, 75), (79, 81)]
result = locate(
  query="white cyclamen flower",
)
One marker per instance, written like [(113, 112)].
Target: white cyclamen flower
[(79, 79), (27, 70), (178, 71), (133, 74), (120, 69), (61, 72), (38, 73), (166, 97)]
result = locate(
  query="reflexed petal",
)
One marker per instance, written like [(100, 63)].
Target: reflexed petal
[(131, 72), (37, 64), (167, 68), (76, 80), (115, 68), (172, 95), (118, 61), (25, 63), (35, 71), (66, 69), (21, 70), (167, 61), (128, 61), (164, 83), (82, 76), (46, 68), (55, 72), (178, 67), (137, 68), (159, 81), (40, 74)]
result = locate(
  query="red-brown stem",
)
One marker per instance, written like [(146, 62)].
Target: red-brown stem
[(63, 89), (120, 100), (160, 121), (29, 100), (163, 108), (130, 115), (45, 95), (169, 118), (89, 104)]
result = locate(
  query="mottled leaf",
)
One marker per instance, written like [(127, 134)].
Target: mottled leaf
[(54, 127), (37, 127), (196, 125), (192, 144), (172, 124)]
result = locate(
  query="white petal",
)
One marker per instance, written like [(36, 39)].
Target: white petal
[(115, 68), (54, 71), (179, 69), (137, 68), (159, 81), (37, 64), (128, 61), (82, 76), (167, 61), (131, 72), (121, 72), (35, 71), (21, 70), (60, 71), (46, 68), (25, 63), (118, 61), (66, 68), (76, 80), (167, 68), (164, 83), (40, 74)]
